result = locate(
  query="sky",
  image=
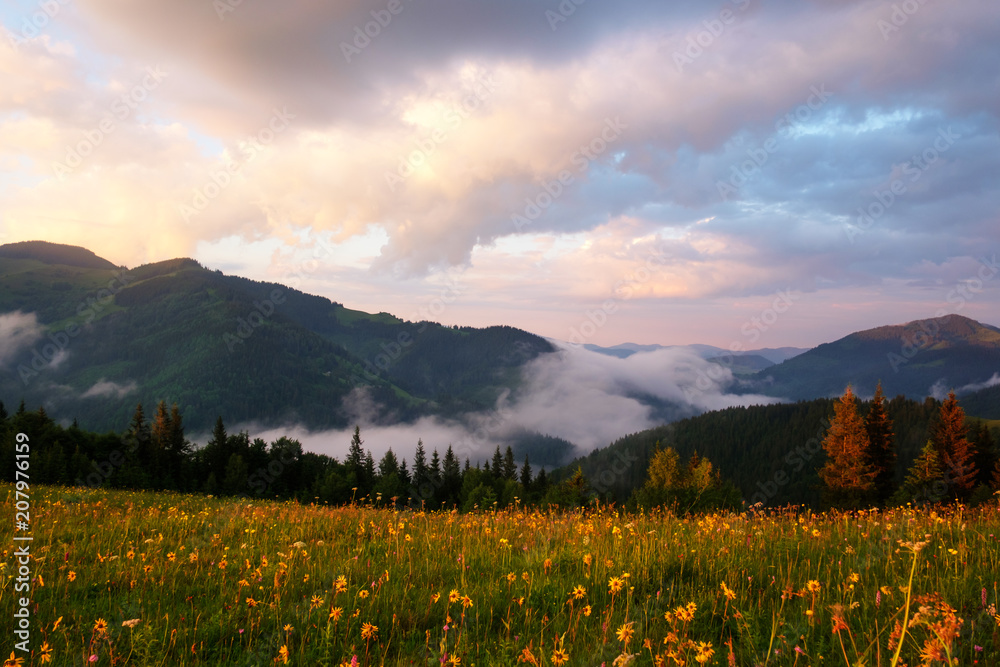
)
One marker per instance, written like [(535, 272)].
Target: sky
[(740, 172)]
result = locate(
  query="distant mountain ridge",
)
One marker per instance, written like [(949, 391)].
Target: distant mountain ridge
[(952, 351), (775, 355)]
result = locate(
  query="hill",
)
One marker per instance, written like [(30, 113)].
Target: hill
[(771, 452), (95, 340), (911, 359)]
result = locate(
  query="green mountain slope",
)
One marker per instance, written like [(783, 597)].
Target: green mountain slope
[(951, 351), (771, 452), (218, 344)]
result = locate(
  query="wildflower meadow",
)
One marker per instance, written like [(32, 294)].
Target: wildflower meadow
[(139, 578)]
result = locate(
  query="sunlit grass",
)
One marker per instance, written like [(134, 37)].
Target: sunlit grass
[(186, 580)]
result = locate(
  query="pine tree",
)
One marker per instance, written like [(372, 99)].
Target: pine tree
[(526, 474), (925, 472), (178, 447), (497, 465), (388, 465), (509, 467), (847, 475), (957, 454), (986, 456), (451, 478), (881, 448), (420, 469), (355, 461)]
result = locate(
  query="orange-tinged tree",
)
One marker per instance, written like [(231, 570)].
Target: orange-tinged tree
[(848, 474), (951, 440)]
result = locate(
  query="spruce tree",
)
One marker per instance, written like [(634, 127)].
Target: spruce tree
[(451, 478), (924, 474), (957, 454), (526, 474), (509, 467), (882, 451), (848, 475), (497, 465)]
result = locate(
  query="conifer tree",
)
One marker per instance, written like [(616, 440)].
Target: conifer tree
[(957, 454), (509, 467), (882, 451), (355, 461), (451, 478), (419, 473), (922, 476), (497, 465), (526, 473), (847, 475)]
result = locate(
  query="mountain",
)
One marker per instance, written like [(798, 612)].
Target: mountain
[(771, 452), (624, 350), (916, 359), (54, 253), (89, 340), (984, 403)]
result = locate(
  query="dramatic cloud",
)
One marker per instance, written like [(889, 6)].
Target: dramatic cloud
[(842, 149)]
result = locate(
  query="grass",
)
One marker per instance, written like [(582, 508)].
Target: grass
[(193, 580)]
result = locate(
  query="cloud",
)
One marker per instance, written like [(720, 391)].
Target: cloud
[(18, 332), (940, 389), (484, 107), (108, 388), (584, 397)]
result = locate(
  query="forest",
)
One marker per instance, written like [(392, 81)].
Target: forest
[(821, 454)]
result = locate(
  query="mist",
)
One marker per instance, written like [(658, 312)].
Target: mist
[(584, 397), (18, 331)]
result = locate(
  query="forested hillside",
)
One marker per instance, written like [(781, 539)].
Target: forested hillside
[(96, 340), (771, 452)]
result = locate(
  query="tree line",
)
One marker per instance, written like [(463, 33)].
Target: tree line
[(153, 454), (957, 462)]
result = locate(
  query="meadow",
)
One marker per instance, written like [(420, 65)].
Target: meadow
[(137, 578)]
